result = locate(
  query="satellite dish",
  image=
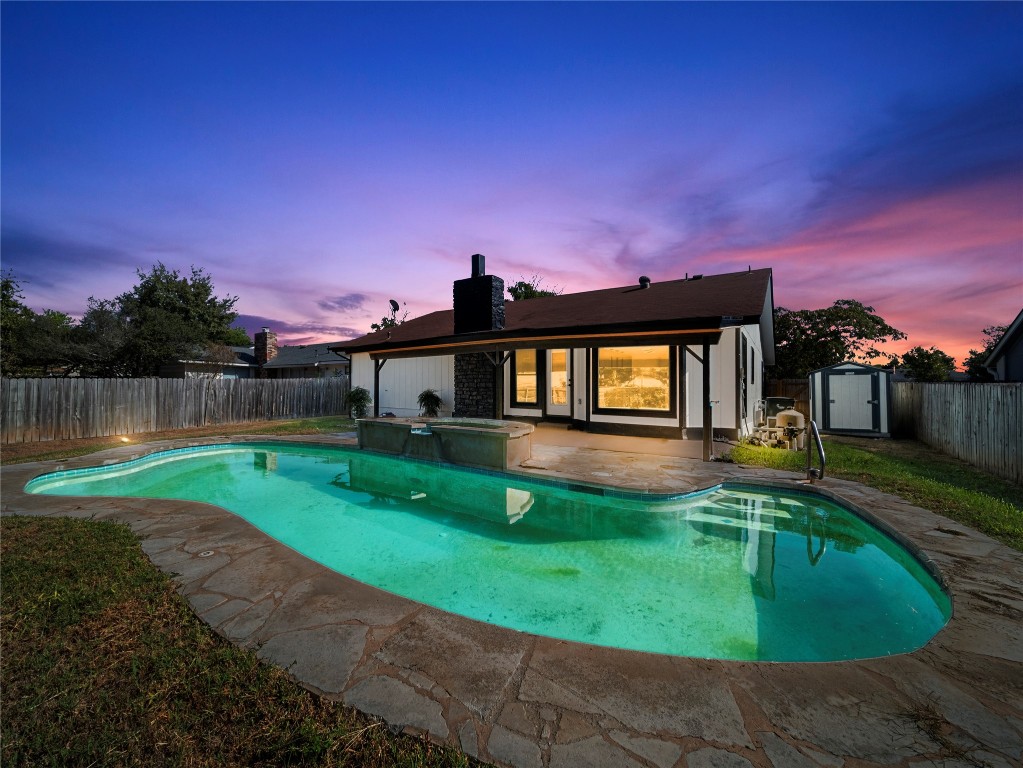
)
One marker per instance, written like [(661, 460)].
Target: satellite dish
[(394, 306)]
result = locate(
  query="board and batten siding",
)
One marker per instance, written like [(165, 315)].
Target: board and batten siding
[(35, 410), (402, 379), (980, 423)]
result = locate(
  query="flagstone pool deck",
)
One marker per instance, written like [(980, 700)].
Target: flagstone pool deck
[(522, 700)]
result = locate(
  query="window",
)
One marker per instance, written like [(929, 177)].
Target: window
[(635, 379), (524, 378)]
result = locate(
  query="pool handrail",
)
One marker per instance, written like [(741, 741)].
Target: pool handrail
[(812, 472)]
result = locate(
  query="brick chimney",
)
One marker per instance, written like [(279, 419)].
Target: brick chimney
[(266, 349), (479, 300), (479, 306)]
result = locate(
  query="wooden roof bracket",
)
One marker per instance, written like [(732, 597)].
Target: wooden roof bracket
[(499, 361)]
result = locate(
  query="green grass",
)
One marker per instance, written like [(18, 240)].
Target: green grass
[(104, 664), (921, 476)]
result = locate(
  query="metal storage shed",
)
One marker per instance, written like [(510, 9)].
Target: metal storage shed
[(852, 399)]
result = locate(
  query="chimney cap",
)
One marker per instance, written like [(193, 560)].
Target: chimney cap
[(266, 329), (644, 281), (478, 265)]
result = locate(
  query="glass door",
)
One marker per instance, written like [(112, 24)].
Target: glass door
[(559, 401)]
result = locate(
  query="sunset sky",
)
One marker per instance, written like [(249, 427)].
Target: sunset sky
[(318, 159)]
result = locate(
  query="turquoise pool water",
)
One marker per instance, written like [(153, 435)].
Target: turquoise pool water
[(730, 573)]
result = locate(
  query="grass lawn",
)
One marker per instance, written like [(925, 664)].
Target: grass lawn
[(918, 474), (104, 664)]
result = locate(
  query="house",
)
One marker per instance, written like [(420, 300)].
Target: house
[(264, 360), (1006, 358), (222, 363), (681, 358), (305, 361)]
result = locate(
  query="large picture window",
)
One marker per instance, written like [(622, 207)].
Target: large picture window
[(524, 384), (635, 379)]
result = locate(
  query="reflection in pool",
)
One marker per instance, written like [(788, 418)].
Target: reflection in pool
[(736, 572)]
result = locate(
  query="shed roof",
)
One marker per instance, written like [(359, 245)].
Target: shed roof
[(672, 309)]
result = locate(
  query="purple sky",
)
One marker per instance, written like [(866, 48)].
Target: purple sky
[(319, 159)]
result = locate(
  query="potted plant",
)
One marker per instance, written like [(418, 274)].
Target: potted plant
[(358, 401), (429, 402)]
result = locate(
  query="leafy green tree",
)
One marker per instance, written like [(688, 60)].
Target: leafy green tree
[(99, 338), (168, 317), (13, 317), (808, 339), (976, 360), (530, 289), (932, 364), (47, 345)]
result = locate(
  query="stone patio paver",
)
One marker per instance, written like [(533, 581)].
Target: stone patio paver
[(522, 700)]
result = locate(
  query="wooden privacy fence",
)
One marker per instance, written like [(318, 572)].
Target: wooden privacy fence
[(60, 409), (978, 423), (797, 389)]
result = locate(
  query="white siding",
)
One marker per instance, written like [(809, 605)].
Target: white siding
[(724, 380), (402, 379)]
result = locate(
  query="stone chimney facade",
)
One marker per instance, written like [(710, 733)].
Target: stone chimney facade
[(479, 307), (266, 349)]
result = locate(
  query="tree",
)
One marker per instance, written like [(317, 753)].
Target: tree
[(47, 345), (168, 317), (391, 320), (808, 339), (99, 338), (932, 364), (976, 360), (531, 289), (13, 317)]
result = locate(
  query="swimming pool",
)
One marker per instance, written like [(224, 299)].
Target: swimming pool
[(735, 572)]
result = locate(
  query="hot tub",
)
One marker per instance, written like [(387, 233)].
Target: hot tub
[(488, 443)]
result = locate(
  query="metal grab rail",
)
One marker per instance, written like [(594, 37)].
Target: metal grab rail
[(812, 473)]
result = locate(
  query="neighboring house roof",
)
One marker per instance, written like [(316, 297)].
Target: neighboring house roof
[(305, 355), (694, 305), (1009, 338), (243, 356)]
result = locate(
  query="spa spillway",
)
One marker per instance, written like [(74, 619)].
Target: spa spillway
[(487, 443)]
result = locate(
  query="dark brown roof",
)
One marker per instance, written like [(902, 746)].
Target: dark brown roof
[(706, 305)]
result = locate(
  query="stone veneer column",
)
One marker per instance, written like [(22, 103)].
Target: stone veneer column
[(475, 387)]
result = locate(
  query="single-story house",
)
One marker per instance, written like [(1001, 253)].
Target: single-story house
[(304, 361), (680, 358), (225, 363), (1006, 358), (264, 360)]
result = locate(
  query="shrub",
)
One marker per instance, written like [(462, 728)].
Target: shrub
[(429, 402), (358, 401)]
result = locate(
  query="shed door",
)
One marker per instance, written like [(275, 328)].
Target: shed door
[(852, 402)]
